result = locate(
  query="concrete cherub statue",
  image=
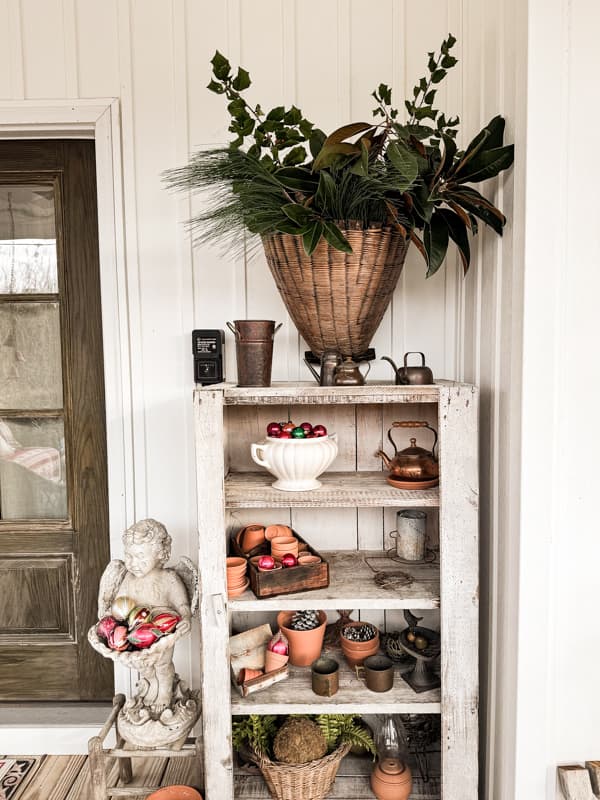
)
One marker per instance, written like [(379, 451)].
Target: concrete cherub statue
[(162, 710)]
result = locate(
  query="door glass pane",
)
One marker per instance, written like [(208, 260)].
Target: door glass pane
[(27, 240), (30, 365), (32, 469)]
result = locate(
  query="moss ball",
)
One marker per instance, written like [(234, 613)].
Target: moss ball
[(299, 741)]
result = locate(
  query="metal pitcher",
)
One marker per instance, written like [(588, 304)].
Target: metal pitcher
[(254, 350)]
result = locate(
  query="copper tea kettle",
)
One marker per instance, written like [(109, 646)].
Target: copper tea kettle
[(413, 463), (414, 376)]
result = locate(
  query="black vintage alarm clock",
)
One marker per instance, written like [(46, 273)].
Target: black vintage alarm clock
[(208, 347)]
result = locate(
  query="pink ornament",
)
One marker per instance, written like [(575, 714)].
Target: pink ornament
[(144, 635), (117, 638), (273, 429), (289, 560), (306, 427), (165, 621), (279, 644), (320, 430), (105, 627), (138, 615), (266, 562)]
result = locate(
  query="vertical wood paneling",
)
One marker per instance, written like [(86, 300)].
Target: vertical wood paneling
[(5, 52), (14, 31), (97, 48), (44, 48)]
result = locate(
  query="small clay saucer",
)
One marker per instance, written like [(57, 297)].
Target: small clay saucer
[(240, 590), (399, 484)]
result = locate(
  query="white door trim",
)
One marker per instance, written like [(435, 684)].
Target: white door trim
[(97, 119)]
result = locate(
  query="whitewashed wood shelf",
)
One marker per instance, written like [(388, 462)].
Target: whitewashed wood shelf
[(295, 696), (307, 393), (339, 490), (351, 515), (352, 585), (352, 782)]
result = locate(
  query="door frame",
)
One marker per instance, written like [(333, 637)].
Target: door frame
[(100, 120)]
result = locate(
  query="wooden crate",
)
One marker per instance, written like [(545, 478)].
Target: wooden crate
[(247, 650), (286, 581)]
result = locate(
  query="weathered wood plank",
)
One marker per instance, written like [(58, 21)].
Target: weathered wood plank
[(54, 780), (352, 584), (216, 690), (339, 490), (311, 394), (459, 579), (184, 771), (295, 696), (574, 783)]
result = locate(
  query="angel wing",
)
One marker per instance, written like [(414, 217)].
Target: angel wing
[(111, 579), (188, 572)]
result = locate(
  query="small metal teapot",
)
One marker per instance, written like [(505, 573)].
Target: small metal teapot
[(414, 463), (414, 376), (330, 359), (348, 373)]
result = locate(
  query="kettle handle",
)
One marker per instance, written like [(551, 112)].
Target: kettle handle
[(414, 353), (410, 424)]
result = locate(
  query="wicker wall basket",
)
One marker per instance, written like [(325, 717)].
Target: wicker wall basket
[(337, 300), (312, 781)]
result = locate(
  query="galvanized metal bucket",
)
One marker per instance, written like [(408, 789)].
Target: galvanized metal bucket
[(254, 350)]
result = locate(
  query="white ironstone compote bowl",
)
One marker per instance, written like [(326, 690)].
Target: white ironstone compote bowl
[(296, 463)]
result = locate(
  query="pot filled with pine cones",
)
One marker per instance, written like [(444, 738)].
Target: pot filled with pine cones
[(304, 631)]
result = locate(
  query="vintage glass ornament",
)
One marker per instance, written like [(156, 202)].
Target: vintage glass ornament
[(144, 635), (165, 621), (105, 626), (137, 615), (117, 638), (289, 560), (122, 607)]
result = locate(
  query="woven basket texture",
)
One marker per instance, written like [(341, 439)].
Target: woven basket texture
[(337, 300), (311, 781)]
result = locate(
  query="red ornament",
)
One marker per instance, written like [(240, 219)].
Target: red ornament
[(165, 621), (320, 430), (138, 615), (306, 427), (105, 627), (266, 562), (273, 429), (144, 635), (285, 435), (289, 560), (117, 638), (310, 436), (279, 644)]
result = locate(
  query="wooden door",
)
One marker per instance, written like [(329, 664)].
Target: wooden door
[(54, 539)]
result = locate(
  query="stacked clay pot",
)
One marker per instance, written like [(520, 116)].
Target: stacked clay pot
[(237, 582), (356, 652)]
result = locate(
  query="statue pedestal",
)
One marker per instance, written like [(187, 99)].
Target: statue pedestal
[(100, 757)]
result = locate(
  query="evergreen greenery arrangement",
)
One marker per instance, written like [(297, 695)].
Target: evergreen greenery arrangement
[(282, 174), (258, 732)]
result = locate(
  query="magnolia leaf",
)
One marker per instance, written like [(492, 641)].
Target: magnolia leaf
[(297, 213), (336, 238), (288, 226), (418, 244), (312, 237), (362, 165), (316, 142), (330, 152), (297, 178), (326, 192), (436, 243), (458, 234), (346, 131), (488, 164), (404, 161), (482, 209)]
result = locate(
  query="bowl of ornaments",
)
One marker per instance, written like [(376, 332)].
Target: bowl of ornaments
[(131, 627), (295, 454)]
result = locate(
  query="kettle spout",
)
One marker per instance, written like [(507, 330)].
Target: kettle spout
[(396, 373), (386, 459), (314, 371)]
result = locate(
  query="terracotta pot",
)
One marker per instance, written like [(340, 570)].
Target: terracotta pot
[(305, 561), (305, 646), (274, 661), (356, 652), (391, 780), (250, 537), (271, 531), (284, 544), (234, 583), (175, 793), (246, 674), (237, 591)]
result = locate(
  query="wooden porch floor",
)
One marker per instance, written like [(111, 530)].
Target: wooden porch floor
[(68, 777)]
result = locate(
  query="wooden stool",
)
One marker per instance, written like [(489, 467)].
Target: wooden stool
[(99, 757)]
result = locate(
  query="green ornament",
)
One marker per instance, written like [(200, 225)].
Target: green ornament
[(298, 433)]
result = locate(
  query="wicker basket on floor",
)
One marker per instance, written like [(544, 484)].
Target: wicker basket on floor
[(337, 300), (311, 781)]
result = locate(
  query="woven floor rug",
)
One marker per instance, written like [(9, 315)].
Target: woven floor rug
[(14, 772)]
